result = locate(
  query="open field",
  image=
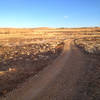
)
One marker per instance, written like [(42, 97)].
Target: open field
[(25, 52), (22, 58)]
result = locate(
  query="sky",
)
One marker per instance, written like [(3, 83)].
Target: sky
[(49, 13)]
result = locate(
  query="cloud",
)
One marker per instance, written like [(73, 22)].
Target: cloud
[(66, 17)]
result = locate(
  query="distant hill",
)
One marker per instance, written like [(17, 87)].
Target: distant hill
[(44, 28), (26, 30)]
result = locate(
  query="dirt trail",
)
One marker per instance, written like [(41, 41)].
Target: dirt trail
[(57, 81)]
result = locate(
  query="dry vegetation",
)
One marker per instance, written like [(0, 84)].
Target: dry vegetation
[(24, 52), (89, 45), (17, 63), (91, 84)]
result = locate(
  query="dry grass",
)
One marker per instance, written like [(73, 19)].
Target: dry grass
[(24, 52), (22, 55), (90, 45), (90, 84)]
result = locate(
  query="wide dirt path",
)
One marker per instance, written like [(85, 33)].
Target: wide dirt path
[(57, 81)]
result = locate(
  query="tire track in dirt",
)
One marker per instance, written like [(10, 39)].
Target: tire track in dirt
[(58, 81)]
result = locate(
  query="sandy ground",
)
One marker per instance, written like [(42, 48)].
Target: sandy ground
[(58, 81)]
